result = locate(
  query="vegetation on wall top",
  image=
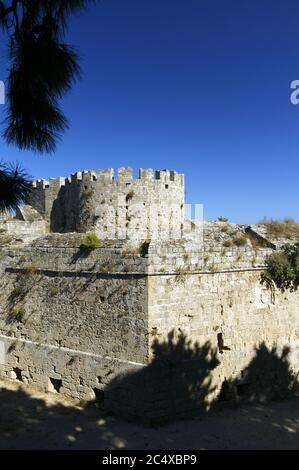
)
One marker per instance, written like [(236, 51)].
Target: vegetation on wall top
[(91, 241), (283, 268), (287, 228)]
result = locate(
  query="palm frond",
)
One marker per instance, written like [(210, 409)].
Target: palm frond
[(34, 120), (43, 68), (15, 187)]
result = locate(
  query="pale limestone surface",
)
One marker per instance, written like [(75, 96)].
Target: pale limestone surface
[(160, 327)]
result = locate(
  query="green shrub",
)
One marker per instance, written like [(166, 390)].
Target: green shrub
[(283, 268), (222, 219), (227, 243), (53, 290), (3, 230), (91, 241)]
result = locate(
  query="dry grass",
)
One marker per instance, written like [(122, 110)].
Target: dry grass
[(240, 240), (17, 314), (5, 240), (287, 228)]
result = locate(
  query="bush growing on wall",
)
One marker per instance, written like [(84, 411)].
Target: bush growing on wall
[(283, 268), (91, 241)]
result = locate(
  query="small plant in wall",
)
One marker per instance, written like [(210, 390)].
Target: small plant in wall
[(283, 268), (91, 241), (17, 314), (6, 240), (129, 196), (30, 270)]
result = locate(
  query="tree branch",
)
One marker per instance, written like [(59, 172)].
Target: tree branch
[(6, 11)]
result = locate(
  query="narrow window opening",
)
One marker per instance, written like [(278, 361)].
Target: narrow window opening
[(220, 343), (18, 373), (54, 385)]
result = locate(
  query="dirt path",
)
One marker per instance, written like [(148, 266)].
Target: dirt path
[(33, 420)]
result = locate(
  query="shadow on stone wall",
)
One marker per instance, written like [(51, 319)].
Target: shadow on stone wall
[(268, 376), (178, 382), (173, 385)]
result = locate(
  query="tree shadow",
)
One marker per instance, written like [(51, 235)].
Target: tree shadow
[(268, 376), (177, 383), (30, 422)]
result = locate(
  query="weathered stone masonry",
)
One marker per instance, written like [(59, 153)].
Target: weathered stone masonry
[(109, 323), (151, 206)]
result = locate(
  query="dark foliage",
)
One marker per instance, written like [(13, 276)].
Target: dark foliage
[(179, 382), (283, 268), (42, 70), (268, 376), (14, 187)]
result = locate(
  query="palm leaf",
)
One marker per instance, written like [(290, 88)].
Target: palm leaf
[(15, 187)]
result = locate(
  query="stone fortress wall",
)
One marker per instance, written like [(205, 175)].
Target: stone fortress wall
[(154, 329), (151, 206)]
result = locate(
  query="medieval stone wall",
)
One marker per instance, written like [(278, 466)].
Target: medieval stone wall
[(231, 310), (154, 331), (168, 317), (71, 318), (145, 208)]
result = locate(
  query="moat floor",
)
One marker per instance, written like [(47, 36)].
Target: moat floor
[(35, 420)]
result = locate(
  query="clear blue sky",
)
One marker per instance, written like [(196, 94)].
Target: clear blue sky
[(201, 87)]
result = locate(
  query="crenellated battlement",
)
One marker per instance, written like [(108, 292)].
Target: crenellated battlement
[(112, 205), (124, 175)]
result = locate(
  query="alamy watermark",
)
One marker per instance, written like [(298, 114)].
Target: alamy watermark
[(157, 221), (294, 97), (2, 92)]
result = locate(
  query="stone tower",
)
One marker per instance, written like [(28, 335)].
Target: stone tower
[(149, 207)]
